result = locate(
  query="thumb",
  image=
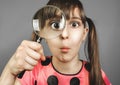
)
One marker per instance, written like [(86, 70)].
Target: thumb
[(41, 52)]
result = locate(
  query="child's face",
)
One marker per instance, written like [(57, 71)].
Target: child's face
[(66, 46)]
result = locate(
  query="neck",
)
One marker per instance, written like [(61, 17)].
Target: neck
[(67, 67)]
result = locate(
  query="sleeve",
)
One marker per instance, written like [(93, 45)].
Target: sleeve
[(105, 78)]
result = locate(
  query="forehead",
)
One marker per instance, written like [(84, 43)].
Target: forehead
[(75, 12)]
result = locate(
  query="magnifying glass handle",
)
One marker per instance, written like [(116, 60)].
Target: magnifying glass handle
[(21, 74)]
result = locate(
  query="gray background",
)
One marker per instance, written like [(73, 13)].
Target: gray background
[(15, 26)]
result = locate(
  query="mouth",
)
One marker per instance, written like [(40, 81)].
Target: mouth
[(65, 49)]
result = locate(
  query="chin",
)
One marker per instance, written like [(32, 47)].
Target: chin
[(65, 59)]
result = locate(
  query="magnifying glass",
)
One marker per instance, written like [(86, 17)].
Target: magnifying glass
[(48, 23)]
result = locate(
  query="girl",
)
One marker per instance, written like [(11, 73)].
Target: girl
[(64, 66)]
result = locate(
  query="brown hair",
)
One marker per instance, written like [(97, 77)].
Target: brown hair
[(91, 46), (93, 55)]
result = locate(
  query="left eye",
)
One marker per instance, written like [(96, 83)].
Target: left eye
[(74, 24), (55, 25)]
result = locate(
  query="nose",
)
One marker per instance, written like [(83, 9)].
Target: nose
[(65, 33)]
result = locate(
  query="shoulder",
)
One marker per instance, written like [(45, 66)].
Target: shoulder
[(88, 67)]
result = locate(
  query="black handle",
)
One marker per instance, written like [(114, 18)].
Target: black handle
[(21, 74)]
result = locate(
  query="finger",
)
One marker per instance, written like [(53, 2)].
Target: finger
[(28, 67), (36, 54), (43, 58), (41, 52), (33, 54), (31, 44), (35, 46), (31, 61)]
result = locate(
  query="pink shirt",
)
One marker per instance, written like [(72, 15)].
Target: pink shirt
[(48, 75)]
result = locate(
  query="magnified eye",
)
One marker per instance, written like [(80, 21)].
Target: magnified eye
[(55, 26)]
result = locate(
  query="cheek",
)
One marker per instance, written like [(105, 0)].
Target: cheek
[(77, 37), (76, 41), (53, 45)]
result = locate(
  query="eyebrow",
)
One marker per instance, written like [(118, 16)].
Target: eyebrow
[(76, 18)]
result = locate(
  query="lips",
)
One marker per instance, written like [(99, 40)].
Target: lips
[(65, 49)]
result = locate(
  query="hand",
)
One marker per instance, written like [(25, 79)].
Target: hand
[(27, 55)]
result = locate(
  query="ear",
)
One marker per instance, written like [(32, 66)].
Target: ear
[(85, 32)]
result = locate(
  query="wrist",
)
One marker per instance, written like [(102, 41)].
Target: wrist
[(7, 78)]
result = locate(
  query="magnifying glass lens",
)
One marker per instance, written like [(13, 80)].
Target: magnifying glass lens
[(49, 22)]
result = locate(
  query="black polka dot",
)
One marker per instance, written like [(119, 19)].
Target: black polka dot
[(46, 62), (87, 66), (52, 80), (74, 81)]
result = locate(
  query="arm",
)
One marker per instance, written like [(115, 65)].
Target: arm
[(6, 77), (17, 82)]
